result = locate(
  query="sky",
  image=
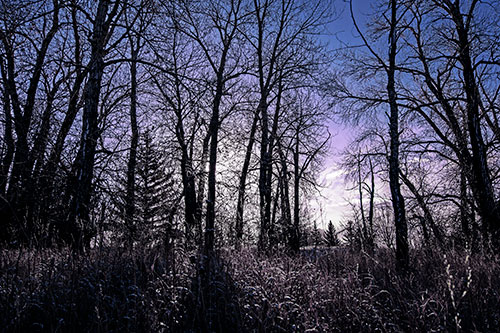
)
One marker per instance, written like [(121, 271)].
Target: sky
[(332, 204), (342, 29)]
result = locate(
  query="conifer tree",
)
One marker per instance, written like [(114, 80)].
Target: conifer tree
[(331, 238), (155, 197), (316, 235)]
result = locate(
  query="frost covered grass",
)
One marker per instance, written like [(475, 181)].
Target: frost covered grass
[(343, 291), (107, 290), (325, 291)]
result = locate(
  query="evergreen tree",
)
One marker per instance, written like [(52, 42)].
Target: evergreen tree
[(154, 192), (331, 238), (316, 235), (154, 196)]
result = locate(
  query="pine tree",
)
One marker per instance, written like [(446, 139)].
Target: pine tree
[(154, 197), (316, 235), (331, 238), (154, 192)]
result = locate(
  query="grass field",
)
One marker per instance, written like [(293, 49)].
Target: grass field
[(336, 290)]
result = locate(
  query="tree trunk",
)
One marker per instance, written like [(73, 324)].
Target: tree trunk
[(372, 205), (464, 205), (132, 159), (242, 184), (266, 164), (402, 252), (361, 206), (6, 163), (201, 186), (484, 196), (32, 190), (264, 170), (40, 143), (77, 231), (286, 211), (20, 174), (8, 138), (276, 237), (190, 200), (49, 170), (17, 197), (212, 166), (295, 243)]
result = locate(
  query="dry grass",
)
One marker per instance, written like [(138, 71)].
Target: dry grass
[(354, 292), (104, 291), (330, 291)]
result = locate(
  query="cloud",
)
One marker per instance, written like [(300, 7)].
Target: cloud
[(332, 204)]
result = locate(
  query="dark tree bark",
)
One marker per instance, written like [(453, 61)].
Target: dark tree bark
[(372, 204), (212, 164), (402, 253), (32, 189), (20, 173), (47, 178), (191, 209), (485, 197), (134, 141), (8, 137), (227, 31), (17, 195), (77, 231), (286, 211), (474, 161), (465, 213), (192, 202), (74, 98), (6, 161), (274, 39), (267, 81), (35, 160), (201, 187), (69, 118), (270, 152), (264, 171), (295, 241)]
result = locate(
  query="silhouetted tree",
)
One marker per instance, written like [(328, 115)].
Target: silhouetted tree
[(77, 230), (331, 238)]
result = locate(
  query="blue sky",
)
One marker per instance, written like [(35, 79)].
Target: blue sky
[(342, 29)]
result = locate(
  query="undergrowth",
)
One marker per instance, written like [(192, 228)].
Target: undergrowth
[(344, 291), (337, 290)]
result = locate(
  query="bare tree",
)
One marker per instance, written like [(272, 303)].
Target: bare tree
[(455, 121), (485, 196), (76, 232), (15, 205), (396, 13), (280, 28)]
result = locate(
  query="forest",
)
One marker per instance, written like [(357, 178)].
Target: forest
[(163, 165)]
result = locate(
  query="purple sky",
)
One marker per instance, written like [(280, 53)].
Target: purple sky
[(333, 204)]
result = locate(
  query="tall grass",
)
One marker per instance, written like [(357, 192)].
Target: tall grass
[(106, 290), (344, 291), (109, 290)]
